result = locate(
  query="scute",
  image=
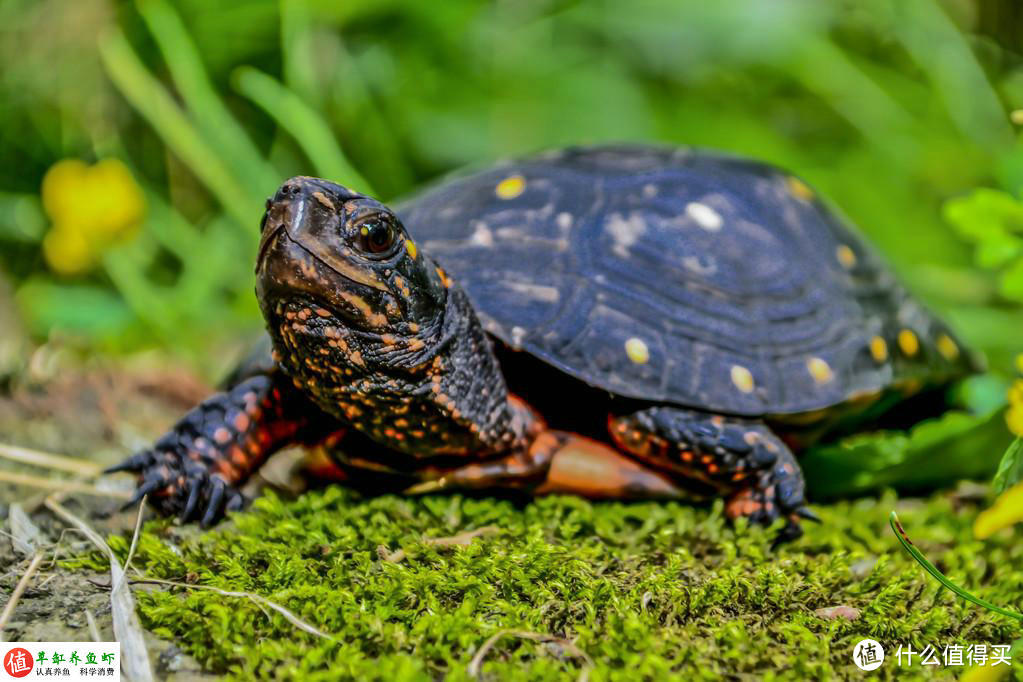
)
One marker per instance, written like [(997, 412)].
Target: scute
[(746, 293)]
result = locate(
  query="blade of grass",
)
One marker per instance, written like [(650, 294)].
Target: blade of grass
[(298, 58), (825, 69), (219, 126), (154, 103), (303, 123), (126, 266), (941, 51), (340, 93), (907, 544)]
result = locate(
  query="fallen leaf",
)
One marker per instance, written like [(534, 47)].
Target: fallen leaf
[(833, 612)]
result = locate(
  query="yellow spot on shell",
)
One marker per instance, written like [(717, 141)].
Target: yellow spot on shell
[(510, 187), (908, 343), (410, 249), (820, 370), (845, 256), (878, 349), (799, 189), (947, 347), (742, 378), (637, 351)]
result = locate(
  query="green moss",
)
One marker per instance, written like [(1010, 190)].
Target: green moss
[(647, 590)]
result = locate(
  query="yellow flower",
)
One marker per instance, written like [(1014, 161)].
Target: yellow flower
[(90, 207), (984, 673), (1006, 511), (1014, 415), (67, 250)]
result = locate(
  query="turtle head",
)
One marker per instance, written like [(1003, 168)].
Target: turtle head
[(337, 270)]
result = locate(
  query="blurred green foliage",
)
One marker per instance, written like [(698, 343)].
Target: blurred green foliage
[(890, 108)]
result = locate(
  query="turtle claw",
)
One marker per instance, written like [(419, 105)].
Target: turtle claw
[(136, 462), (216, 499), (766, 502), (804, 512), (177, 484), (193, 501), (143, 490), (235, 503), (791, 531)]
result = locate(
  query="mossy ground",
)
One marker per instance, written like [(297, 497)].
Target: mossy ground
[(647, 590)]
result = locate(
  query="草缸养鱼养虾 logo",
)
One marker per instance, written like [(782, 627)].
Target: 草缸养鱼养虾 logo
[(18, 662), (36, 660)]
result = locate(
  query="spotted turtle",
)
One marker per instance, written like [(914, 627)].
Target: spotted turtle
[(611, 321)]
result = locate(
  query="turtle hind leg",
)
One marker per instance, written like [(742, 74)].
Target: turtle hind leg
[(741, 459)]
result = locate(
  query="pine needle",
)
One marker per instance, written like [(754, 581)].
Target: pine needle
[(907, 544)]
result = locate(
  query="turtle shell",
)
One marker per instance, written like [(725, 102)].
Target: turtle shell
[(681, 276)]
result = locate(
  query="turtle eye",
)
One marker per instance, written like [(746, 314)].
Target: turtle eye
[(376, 235)]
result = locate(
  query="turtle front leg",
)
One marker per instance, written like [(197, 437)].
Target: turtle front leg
[(204, 459), (738, 458)]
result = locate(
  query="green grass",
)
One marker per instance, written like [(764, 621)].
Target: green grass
[(647, 590)]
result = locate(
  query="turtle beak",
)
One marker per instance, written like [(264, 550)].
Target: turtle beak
[(308, 210)]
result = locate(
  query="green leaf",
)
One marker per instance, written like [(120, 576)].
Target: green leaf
[(985, 214), (933, 453), (79, 308), (1011, 282), (1010, 469), (21, 217), (998, 250)]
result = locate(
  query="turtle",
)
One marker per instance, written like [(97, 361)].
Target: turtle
[(614, 321)]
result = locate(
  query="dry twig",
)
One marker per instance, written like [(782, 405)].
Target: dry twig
[(19, 589), (257, 598), (48, 460), (462, 539), (60, 485), (476, 664), (127, 629)]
